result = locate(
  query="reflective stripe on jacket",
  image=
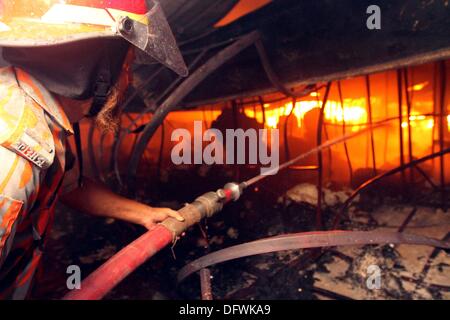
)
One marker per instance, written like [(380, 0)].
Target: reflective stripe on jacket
[(33, 137)]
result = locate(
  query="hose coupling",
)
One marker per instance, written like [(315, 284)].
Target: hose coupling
[(230, 192)]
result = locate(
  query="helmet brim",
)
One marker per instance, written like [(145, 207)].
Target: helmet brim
[(34, 34), (150, 33)]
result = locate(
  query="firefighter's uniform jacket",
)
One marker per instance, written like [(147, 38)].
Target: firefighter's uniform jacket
[(33, 146)]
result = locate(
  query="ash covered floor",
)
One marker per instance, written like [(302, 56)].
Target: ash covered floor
[(407, 272)]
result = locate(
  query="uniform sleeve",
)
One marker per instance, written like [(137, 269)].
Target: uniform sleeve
[(19, 187), (72, 172)]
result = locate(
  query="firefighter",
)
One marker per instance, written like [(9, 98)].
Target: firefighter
[(68, 60)]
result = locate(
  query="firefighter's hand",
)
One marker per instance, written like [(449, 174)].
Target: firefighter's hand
[(155, 215), (101, 202)]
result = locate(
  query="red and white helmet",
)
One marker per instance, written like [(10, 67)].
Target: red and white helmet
[(25, 23)]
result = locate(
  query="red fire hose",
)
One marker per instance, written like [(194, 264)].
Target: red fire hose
[(99, 283), (112, 272)]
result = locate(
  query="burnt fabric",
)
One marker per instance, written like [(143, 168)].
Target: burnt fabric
[(28, 193)]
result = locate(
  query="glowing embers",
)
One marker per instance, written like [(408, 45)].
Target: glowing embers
[(421, 121), (418, 120), (418, 86), (353, 113)]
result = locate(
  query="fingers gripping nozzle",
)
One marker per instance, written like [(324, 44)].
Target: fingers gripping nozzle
[(204, 206)]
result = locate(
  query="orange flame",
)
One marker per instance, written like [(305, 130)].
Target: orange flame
[(353, 112)]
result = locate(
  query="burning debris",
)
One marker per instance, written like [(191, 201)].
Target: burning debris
[(307, 193), (406, 273)]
